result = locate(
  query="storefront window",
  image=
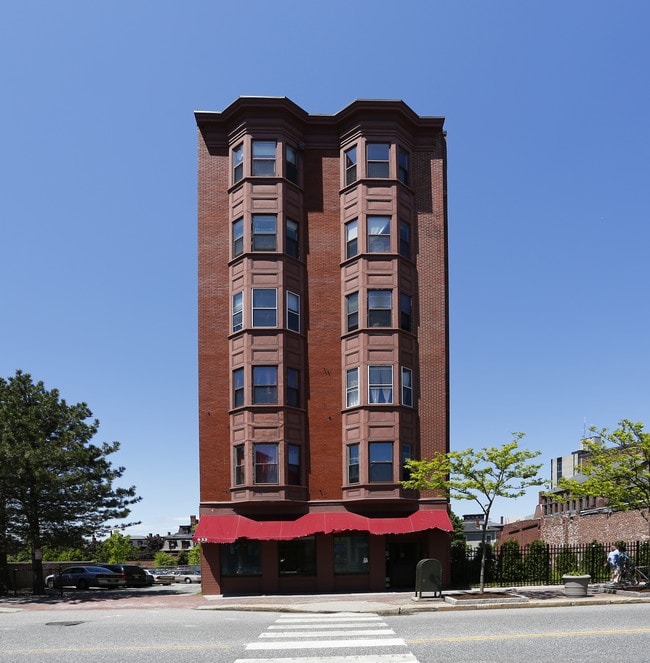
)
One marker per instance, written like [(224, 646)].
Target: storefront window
[(351, 554), (298, 557), (241, 558)]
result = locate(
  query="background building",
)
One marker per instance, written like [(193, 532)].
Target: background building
[(323, 344)]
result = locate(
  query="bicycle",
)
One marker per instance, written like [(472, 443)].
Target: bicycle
[(629, 574)]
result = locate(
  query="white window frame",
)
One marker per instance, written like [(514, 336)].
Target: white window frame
[(238, 311), (380, 393), (273, 308), (352, 392)]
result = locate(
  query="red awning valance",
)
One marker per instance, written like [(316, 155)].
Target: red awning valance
[(226, 529)]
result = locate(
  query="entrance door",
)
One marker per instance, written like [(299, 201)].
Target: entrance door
[(401, 559)]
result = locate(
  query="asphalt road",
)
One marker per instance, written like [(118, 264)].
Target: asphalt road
[(580, 633)]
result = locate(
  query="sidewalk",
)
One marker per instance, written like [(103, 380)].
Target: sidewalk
[(388, 603), (394, 603)]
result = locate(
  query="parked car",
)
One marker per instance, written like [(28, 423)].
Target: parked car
[(135, 575), (187, 576), (83, 577), (161, 577)]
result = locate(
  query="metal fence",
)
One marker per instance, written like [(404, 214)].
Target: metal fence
[(538, 563)]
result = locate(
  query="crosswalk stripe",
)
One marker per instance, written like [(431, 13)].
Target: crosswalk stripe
[(329, 618), (368, 658), (320, 634), (296, 627), (329, 644), (327, 632)]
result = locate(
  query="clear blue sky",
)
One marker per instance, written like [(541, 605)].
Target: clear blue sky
[(547, 108)]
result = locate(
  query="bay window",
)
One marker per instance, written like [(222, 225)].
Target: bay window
[(238, 163), (293, 465), (264, 232), (264, 158), (380, 384), (293, 311), (352, 311), (380, 461), (351, 239), (407, 387), (378, 234), (352, 387), (378, 159), (237, 237), (353, 463), (350, 157), (379, 308), (237, 311), (265, 307), (265, 463), (265, 385)]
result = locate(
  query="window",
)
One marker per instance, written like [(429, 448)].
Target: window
[(378, 159), (352, 311), (351, 554), (406, 453), (238, 387), (265, 463), (238, 163), (350, 165), (403, 166), (352, 387), (404, 239), (297, 557), (379, 308), (265, 385), (380, 466), (265, 307), (293, 312), (291, 170), (242, 558), (264, 158), (351, 239), (353, 463), (378, 234), (407, 387), (239, 464), (293, 465), (380, 384), (237, 238), (291, 245), (264, 233), (405, 311), (293, 387), (237, 311)]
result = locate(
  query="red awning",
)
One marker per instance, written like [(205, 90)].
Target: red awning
[(226, 529)]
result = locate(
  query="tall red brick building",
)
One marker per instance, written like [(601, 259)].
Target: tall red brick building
[(323, 344)]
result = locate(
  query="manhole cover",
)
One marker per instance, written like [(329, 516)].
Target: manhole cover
[(63, 623)]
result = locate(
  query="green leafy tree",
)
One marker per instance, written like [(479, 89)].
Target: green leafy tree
[(194, 555), (458, 535), (566, 561), (510, 564), (480, 476), (163, 560), (116, 549), (538, 562), (56, 487), (617, 467)]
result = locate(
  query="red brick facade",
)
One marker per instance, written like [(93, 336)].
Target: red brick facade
[(291, 422)]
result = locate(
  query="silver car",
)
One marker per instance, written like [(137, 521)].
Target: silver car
[(83, 577)]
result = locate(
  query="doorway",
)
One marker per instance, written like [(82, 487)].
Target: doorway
[(401, 559)]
